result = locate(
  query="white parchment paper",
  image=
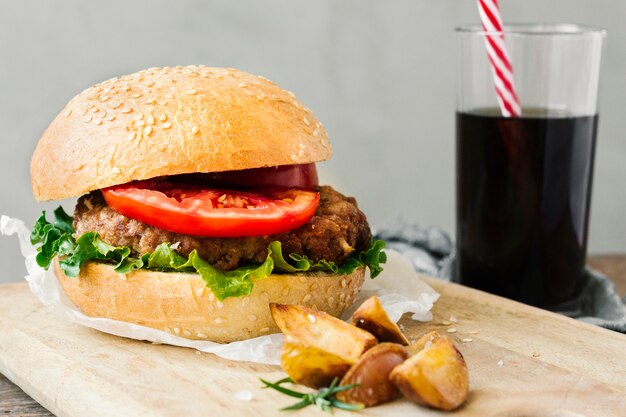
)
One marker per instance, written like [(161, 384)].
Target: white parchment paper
[(399, 288)]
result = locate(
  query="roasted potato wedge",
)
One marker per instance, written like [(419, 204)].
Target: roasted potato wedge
[(317, 329), (435, 377), (372, 317), (310, 366), (423, 342), (371, 373)]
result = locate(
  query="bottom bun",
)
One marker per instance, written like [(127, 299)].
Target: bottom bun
[(180, 303)]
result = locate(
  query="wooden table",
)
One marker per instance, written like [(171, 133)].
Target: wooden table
[(14, 402)]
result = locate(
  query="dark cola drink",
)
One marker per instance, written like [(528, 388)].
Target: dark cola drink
[(523, 193)]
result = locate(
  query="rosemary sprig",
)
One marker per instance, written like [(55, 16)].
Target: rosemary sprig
[(324, 398)]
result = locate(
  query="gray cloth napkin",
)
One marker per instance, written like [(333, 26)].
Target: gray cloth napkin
[(432, 252)]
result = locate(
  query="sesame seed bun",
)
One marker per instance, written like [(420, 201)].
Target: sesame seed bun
[(180, 304), (168, 121)]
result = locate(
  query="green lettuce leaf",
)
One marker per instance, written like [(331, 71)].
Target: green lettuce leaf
[(56, 239)]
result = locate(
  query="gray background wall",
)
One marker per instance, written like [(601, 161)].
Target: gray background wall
[(378, 74)]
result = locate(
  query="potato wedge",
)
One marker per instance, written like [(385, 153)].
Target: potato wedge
[(435, 377), (371, 372), (317, 329), (423, 342), (310, 366), (371, 316)]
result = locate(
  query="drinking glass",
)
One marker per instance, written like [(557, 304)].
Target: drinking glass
[(523, 184)]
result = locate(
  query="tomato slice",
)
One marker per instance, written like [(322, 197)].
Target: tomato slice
[(303, 176), (212, 212)]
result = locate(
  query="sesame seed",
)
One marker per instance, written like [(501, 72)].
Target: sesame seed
[(302, 146), (136, 95), (291, 94), (296, 104), (186, 333), (252, 317), (87, 119), (111, 117), (176, 330), (451, 330), (446, 323), (191, 91), (211, 297), (201, 336), (115, 170), (132, 135), (301, 153), (219, 304), (467, 340), (104, 98), (147, 130), (242, 85), (265, 296), (194, 130), (536, 354), (307, 298), (311, 318), (219, 320), (302, 280), (166, 125), (500, 362), (316, 132), (150, 119), (151, 101), (140, 123), (90, 105), (68, 112), (138, 116), (163, 117), (200, 292), (343, 283), (98, 122), (306, 121), (294, 158), (265, 330), (453, 318), (126, 110)]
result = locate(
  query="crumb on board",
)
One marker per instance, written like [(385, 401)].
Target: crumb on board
[(243, 395)]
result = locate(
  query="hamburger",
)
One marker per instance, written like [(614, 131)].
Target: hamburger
[(198, 205)]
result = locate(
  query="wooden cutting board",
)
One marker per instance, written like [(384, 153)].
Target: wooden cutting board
[(522, 362)]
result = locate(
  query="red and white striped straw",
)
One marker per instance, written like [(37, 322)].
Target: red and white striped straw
[(501, 67)]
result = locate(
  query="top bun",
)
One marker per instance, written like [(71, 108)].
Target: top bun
[(168, 121)]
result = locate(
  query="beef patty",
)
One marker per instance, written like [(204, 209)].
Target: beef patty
[(337, 229)]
